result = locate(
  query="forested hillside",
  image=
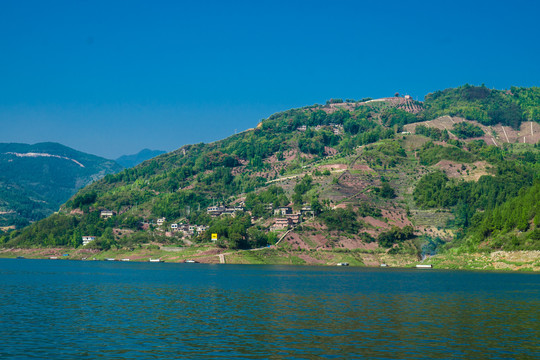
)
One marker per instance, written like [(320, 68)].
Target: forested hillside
[(36, 179), (489, 107), (347, 176)]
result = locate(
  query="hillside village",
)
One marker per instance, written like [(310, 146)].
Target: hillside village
[(363, 180), (284, 218)]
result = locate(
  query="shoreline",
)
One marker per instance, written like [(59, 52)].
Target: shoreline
[(520, 261)]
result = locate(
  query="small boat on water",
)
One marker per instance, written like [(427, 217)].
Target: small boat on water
[(53, 257), (424, 266), (384, 265), (125, 259), (191, 261), (110, 259), (343, 264), (154, 260)]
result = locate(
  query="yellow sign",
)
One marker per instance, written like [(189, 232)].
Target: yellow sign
[(214, 236)]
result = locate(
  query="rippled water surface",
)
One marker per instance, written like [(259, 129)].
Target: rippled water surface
[(118, 310)]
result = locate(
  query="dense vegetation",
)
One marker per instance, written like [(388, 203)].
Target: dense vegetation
[(498, 225), (493, 206), (465, 130), (433, 133), (342, 219), (486, 106), (431, 154), (34, 186), (277, 164)]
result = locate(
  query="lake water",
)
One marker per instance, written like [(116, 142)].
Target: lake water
[(119, 310)]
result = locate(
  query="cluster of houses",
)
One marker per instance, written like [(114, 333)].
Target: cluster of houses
[(184, 229), (181, 228), (285, 215), (287, 218), (336, 128), (187, 229), (222, 210)]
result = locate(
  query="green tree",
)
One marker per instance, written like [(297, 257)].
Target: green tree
[(386, 191)]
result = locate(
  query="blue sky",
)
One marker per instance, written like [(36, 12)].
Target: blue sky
[(114, 77)]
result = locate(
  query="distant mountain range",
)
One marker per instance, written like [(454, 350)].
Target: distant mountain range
[(36, 179), (129, 161)]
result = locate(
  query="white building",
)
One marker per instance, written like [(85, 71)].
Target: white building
[(105, 214), (87, 240), (284, 210), (201, 228), (221, 210), (215, 210)]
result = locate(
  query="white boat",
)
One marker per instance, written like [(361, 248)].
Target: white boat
[(384, 265), (154, 260), (190, 261), (424, 266), (110, 259), (125, 259), (343, 264)]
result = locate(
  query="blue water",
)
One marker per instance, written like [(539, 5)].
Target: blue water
[(119, 310)]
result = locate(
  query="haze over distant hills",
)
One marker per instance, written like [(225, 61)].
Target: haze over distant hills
[(36, 179), (128, 161)]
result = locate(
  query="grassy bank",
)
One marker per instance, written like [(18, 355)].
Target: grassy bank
[(500, 260)]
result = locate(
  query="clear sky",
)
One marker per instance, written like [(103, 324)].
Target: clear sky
[(113, 77)]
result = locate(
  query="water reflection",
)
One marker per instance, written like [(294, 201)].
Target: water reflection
[(116, 310)]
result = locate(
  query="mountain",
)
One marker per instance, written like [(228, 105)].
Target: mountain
[(353, 181), (129, 161), (36, 179)]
